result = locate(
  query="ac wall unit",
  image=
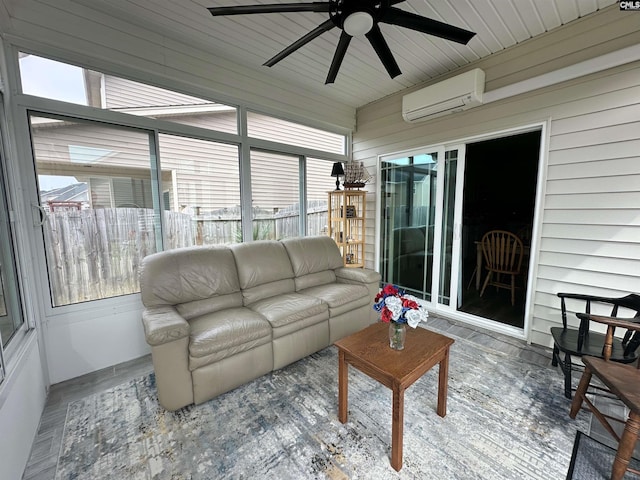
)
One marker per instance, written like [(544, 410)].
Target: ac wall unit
[(453, 95)]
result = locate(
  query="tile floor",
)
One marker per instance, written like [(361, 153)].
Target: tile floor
[(44, 452)]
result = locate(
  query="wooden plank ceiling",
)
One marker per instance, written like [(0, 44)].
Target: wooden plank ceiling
[(250, 40)]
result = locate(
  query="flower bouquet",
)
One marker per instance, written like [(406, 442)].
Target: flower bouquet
[(399, 309)]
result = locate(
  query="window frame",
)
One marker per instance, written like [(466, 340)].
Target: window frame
[(25, 105)]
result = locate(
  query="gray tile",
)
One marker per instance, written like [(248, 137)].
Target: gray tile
[(46, 446)]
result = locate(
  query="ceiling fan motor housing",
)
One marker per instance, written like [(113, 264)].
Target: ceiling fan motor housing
[(341, 10)]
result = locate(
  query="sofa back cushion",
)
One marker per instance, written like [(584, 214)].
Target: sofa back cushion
[(409, 240), (196, 280), (313, 259), (264, 269)]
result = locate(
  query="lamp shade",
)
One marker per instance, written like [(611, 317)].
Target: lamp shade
[(337, 171)]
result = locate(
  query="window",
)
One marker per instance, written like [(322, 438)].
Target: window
[(275, 129), (319, 182), (112, 194), (78, 85), (96, 186), (275, 180), (11, 318), (202, 200)]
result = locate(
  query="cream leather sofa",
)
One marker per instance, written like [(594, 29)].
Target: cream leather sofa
[(217, 317)]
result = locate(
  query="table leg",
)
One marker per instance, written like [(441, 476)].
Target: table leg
[(343, 379), (396, 427), (443, 374)]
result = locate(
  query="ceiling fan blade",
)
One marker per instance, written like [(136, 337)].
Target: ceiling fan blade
[(316, 32), (270, 8), (398, 17), (379, 44), (341, 49)]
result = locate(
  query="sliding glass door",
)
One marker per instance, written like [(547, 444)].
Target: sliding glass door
[(436, 205), (418, 215)]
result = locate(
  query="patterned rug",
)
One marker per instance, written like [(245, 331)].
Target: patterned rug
[(593, 460), (506, 419)]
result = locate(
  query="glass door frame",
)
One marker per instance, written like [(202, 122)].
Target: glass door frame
[(449, 311)]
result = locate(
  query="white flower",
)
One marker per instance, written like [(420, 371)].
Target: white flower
[(414, 317), (395, 305)]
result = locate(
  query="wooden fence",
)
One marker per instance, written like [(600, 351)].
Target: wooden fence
[(93, 254)]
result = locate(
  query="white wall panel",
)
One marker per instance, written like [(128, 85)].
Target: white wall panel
[(590, 218), (602, 184), (22, 398)]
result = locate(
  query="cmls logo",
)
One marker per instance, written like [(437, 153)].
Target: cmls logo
[(631, 5)]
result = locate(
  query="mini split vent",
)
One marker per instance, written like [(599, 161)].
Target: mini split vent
[(449, 96)]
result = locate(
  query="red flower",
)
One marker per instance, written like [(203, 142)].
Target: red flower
[(386, 315), (410, 304), (389, 290)]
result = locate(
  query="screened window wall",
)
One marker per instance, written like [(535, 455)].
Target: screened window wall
[(112, 194)]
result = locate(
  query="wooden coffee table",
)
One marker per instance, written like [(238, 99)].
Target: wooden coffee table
[(368, 350)]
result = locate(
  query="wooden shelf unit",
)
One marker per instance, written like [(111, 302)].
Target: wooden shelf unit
[(346, 219)]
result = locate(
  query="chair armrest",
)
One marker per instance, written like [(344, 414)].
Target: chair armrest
[(163, 325), (579, 296), (628, 323), (631, 324), (357, 275)]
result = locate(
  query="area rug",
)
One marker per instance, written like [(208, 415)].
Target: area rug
[(506, 419), (593, 460)]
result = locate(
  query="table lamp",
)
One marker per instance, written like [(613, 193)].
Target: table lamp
[(336, 171)]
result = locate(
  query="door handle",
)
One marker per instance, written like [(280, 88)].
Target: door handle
[(42, 214)]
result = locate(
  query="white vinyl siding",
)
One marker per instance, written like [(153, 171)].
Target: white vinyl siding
[(589, 227), (277, 130), (121, 93)]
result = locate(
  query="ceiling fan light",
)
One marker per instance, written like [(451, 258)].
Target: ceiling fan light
[(358, 24)]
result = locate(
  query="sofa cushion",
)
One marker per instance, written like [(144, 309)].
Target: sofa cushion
[(315, 279), (311, 255), (191, 274), (341, 297), (216, 303), (264, 269), (218, 335), (291, 312)]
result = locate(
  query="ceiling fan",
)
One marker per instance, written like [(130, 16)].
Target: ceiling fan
[(355, 18)]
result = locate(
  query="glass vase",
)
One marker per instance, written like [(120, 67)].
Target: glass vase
[(397, 335)]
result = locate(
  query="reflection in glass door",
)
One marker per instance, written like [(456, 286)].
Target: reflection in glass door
[(409, 190), (420, 214)]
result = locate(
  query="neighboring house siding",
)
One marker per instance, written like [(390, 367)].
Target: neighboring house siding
[(196, 165), (589, 230), (121, 93)]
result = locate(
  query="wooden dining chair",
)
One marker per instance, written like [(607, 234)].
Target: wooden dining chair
[(622, 381), (502, 253), (580, 340)]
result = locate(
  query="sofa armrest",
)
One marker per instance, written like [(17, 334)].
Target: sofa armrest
[(163, 325), (357, 275)]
